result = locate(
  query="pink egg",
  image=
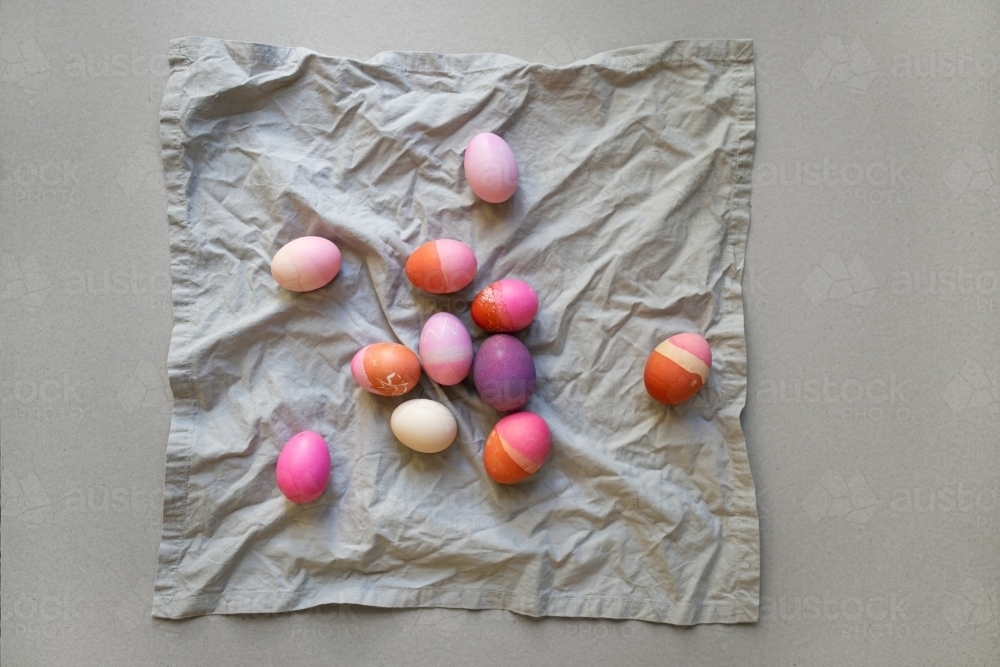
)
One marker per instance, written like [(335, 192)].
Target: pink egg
[(305, 264), (491, 168), (304, 467), (445, 349), (505, 306)]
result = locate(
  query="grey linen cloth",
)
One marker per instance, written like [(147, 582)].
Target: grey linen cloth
[(630, 221)]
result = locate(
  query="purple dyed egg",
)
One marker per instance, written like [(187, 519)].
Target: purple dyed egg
[(445, 349), (504, 373)]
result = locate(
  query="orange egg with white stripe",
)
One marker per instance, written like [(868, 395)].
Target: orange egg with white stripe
[(678, 368)]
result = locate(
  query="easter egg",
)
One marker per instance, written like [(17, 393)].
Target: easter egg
[(445, 349), (304, 467), (517, 447), (504, 373), (424, 425), (386, 369), (678, 368), (305, 264), (491, 168), (441, 266), (505, 306)]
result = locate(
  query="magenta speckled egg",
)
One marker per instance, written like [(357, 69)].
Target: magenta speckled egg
[(505, 306), (305, 264), (504, 373), (445, 349), (304, 467), (491, 168)]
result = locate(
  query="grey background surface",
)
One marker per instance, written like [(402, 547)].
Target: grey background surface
[(872, 295)]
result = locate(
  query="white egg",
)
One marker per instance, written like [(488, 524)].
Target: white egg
[(423, 425)]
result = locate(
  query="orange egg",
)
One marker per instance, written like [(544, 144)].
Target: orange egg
[(441, 266), (386, 369)]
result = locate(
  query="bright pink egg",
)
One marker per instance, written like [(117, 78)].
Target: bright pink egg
[(304, 467), (491, 168), (505, 306), (305, 264), (445, 349)]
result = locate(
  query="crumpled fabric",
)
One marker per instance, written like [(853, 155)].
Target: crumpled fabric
[(630, 221)]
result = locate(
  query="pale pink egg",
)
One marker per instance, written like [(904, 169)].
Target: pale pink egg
[(445, 349), (303, 469), (305, 264), (491, 168)]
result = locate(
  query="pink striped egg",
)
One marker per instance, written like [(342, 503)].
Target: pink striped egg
[(445, 349)]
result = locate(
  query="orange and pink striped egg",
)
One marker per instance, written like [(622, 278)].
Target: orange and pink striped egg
[(678, 368), (517, 447)]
